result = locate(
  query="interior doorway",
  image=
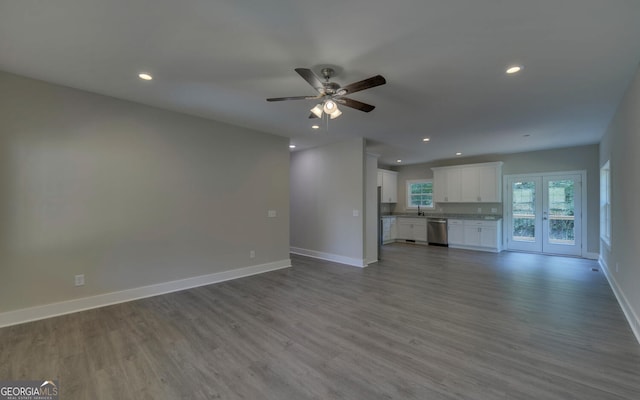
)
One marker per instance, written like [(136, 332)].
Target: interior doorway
[(543, 212)]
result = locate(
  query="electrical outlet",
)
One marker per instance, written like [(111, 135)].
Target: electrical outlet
[(494, 210), (79, 280), (356, 213), (252, 254), (479, 210)]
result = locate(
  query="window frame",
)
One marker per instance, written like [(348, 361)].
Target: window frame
[(605, 204), (410, 182)]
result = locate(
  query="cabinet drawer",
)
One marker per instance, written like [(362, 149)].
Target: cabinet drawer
[(481, 223)]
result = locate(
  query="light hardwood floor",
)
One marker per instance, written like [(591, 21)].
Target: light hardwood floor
[(425, 323)]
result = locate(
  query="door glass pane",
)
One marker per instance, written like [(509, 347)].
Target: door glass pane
[(561, 212), (524, 211)]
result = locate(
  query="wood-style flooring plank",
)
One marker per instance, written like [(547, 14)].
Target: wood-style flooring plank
[(423, 323)]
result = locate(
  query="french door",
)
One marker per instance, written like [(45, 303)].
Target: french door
[(544, 213)]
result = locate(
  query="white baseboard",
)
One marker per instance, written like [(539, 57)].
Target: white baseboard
[(627, 309), (86, 303), (591, 256), (356, 262), (476, 248)]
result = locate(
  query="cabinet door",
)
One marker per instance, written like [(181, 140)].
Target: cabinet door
[(418, 228), (446, 183), (420, 232), (472, 235), (453, 185), (489, 237), (386, 231), (440, 185), (489, 186), (456, 232), (393, 229), (405, 231), (389, 187), (469, 185)]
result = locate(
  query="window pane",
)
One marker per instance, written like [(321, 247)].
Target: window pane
[(420, 194), (561, 212), (523, 208)]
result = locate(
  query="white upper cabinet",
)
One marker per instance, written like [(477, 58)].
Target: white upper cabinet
[(446, 185), (389, 182), (473, 183)]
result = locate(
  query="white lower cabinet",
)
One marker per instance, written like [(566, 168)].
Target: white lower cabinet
[(475, 234), (456, 232), (412, 229), (389, 230)]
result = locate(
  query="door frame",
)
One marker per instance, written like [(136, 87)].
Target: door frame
[(583, 204)]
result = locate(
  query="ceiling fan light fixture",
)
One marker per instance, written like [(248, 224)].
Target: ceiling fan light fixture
[(335, 114), (330, 107), (317, 110)]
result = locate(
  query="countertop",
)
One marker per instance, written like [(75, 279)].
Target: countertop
[(483, 217)]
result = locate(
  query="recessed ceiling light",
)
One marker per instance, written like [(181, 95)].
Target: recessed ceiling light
[(292, 146), (145, 76), (426, 139), (398, 161), (458, 154), (315, 126), (513, 69)]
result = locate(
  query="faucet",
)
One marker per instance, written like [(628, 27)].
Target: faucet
[(420, 213)]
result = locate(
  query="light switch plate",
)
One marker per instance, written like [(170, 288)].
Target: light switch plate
[(356, 213), (272, 213)]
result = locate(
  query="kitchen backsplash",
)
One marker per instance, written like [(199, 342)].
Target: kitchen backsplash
[(449, 208), (386, 208)]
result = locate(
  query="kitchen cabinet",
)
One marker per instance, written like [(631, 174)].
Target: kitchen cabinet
[(412, 229), (456, 232), (389, 230), (446, 185), (482, 235), (388, 180), (472, 183)]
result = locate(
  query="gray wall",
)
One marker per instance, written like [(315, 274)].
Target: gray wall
[(327, 184), (621, 146), (128, 195), (567, 159)]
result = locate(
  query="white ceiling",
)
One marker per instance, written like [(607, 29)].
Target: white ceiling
[(444, 62)]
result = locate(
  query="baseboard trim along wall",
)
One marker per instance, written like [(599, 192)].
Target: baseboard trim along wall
[(592, 256), (629, 313), (355, 262), (86, 303)]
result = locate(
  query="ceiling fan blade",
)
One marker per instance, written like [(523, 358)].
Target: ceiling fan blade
[(364, 84), (358, 105), (312, 116), (294, 98), (311, 78)]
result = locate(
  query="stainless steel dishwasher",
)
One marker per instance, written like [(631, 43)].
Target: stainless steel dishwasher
[(437, 231)]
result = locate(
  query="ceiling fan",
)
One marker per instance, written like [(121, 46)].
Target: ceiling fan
[(331, 94)]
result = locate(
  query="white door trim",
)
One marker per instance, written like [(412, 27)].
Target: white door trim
[(584, 212)]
